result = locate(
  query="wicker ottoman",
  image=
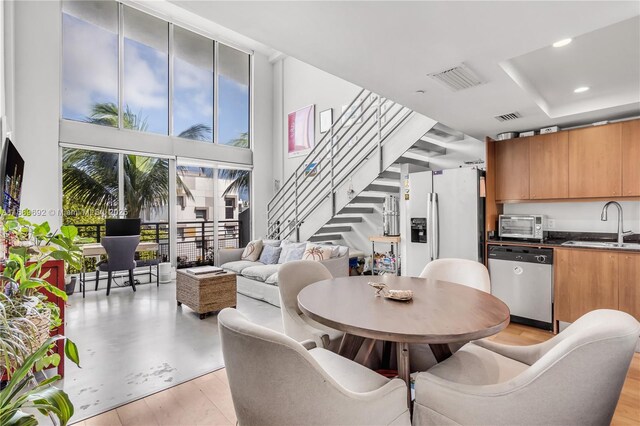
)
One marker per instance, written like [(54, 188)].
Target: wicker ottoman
[(207, 292)]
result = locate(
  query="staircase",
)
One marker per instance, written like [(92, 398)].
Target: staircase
[(358, 164)]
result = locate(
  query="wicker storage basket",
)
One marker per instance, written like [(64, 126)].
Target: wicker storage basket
[(206, 293), (39, 335)]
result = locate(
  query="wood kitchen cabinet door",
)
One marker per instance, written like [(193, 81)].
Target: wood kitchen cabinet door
[(512, 169), (631, 158), (548, 171), (595, 161), (584, 280), (629, 283)]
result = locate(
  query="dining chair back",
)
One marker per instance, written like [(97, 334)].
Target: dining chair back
[(292, 278), (460, 271), (275, 380), (121, 251), (574, 378)]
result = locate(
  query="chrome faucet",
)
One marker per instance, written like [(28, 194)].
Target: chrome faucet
[(603, 217)]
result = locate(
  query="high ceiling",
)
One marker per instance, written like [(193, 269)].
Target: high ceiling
[(391, 47)]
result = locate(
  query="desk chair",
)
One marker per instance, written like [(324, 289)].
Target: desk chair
[(121, 253)]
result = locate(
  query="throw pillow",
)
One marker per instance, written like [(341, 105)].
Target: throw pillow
[(275, 243), (270, 255), (317, 253), (252, 251), (291, 251)]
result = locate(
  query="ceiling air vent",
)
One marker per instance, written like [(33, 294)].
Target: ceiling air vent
[(508, 117), (457, 78)]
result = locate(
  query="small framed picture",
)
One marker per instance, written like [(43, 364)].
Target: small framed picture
[(351, 115), (311, 170), (326, 120)]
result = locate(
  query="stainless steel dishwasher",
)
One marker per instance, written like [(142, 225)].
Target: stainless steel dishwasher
[(522, 277)]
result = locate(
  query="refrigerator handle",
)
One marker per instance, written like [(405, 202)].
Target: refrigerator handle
[(436, 227)]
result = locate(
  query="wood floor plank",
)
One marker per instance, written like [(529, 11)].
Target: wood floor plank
[(137, 413), (110, 418), (207, 400), (198, 409), (165, 407), (219, 393)]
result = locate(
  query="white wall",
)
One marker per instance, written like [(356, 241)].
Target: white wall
[(37, 35), (298, 85), (581, 216), (263, 121)]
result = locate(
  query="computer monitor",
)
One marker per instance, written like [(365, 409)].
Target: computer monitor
[(122, 227)]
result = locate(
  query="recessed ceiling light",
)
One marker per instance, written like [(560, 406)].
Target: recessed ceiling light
[(420, 92), (581, 89), (561, 43)]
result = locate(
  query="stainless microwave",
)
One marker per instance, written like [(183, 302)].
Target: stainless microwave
[(523, 226)]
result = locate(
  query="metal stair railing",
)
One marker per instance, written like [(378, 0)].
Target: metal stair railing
[(357, 134)]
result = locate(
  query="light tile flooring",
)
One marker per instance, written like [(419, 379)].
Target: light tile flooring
[(135, 344), (207, 399)]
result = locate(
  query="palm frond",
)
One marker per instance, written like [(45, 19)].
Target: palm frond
[(199, 132)]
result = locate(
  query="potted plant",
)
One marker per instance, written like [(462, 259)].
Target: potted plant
[(27, 317)]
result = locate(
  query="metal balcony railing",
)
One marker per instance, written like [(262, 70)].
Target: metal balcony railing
[(358, 133), (194, 245)]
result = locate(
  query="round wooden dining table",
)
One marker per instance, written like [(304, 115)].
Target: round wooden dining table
[(439, 313)]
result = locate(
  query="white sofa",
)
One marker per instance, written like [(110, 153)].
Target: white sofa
[(260, 281)]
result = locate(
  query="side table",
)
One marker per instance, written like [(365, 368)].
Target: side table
[(207, 292)]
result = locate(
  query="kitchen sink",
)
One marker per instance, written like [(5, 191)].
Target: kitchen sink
[(604, 245)]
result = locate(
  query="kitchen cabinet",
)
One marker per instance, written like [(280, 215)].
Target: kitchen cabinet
[(595, 161), (584, 280), (631, 158), (548, 171), (512, 169), (629, 283)]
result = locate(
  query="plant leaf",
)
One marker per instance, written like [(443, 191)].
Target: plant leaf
[(20, 418), (55, 400), (71, 351)]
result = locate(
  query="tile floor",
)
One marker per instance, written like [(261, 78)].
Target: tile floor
[(134, 344)]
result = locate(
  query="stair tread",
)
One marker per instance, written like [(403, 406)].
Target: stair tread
[(330, 229), (356, 210), (414, 161), (327, 237), (382, 188), (345, 219), (366, 200), (389, 175)]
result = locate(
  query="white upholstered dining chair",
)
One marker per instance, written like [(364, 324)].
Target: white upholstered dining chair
[(292, 278), (275, 380), (574, 378), (460, 271)]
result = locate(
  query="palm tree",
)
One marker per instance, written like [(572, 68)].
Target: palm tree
[(90, 178), (240, 179)]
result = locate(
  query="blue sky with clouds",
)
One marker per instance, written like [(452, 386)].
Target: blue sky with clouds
[(90, 75)]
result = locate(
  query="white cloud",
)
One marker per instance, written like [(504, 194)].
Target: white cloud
[(90, 65), (144, 87)]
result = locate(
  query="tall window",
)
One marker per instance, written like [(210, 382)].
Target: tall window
[(96, 73), (146, 73), (233, 97), (90, 61), (192, 86)]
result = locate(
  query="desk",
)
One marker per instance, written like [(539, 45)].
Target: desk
[(96, 249), (439, 313)]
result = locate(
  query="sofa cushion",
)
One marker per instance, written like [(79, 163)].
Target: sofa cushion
[(239, 265), (270, 255), (252, 251), (291, 251), (273, 279), (261, 272), (317, 253)]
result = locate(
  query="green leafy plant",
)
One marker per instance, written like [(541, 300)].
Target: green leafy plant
[(24, 392)]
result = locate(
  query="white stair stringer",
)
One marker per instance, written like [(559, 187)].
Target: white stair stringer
[(368, 170)]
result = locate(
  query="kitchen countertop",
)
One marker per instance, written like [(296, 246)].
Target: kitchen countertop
[(557, 238)]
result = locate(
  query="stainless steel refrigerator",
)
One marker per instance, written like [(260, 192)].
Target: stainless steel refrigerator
[(451, 203)]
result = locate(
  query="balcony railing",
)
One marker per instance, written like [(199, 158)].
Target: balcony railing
[(195, 240)]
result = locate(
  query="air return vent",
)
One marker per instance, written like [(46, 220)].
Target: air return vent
[(457, 78), (508, 117)]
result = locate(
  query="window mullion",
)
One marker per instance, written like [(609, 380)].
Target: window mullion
[(215, 92), (120, 65), (171, 79)]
